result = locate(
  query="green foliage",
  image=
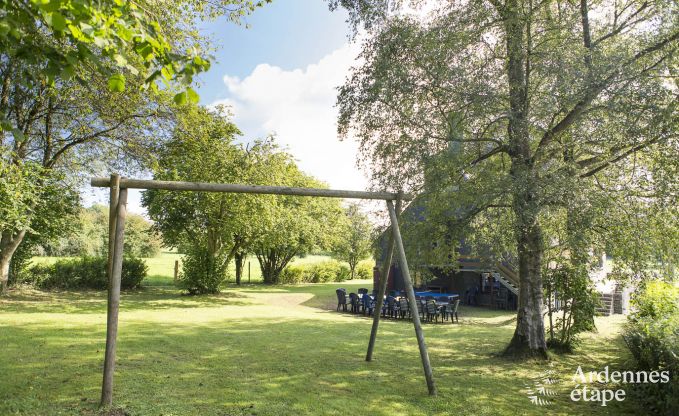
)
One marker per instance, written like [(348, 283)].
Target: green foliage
[(84, 273), (208, 226), (36, 208), (295, 226), (364, 270), (277, 228), (89, 236), (572, 288), (80, 87), (354, 238), (652, 335), (503, 113), (203, 272), (60, 37), (201, 150), (140, 239), (19, 192), (327, 271)]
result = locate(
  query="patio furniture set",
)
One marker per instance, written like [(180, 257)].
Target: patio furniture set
[(431, 306)]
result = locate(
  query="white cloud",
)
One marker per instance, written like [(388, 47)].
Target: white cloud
[(298, 106)]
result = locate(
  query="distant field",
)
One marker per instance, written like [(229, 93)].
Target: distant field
[(161, 267)]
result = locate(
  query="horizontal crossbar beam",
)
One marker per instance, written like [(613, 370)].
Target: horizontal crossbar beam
[(248, 189)]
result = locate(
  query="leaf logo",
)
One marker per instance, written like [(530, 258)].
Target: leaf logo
[(539, 391)]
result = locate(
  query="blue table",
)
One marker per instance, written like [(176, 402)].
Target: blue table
[(437, 296)]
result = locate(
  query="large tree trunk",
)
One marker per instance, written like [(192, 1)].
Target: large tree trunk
[(8, 244), (529, 336)]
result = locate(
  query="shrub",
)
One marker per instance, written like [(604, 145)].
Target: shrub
[(202, 273), (652, 336), (327, 271), (20, 264), (343, 273), (292, 274), (323, 272), (85, 273), (364, 270)]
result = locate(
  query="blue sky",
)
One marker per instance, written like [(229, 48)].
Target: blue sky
[(288, 34), (279, 76)]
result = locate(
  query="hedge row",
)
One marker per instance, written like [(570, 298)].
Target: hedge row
[(83, 273), (327, 271), (652, 335), (364, 270)]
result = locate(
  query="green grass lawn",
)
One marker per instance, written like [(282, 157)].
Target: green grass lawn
[(258, 350)]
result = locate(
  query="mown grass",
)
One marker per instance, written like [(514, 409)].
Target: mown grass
[(254, 350)]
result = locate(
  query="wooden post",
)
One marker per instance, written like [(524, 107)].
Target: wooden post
[(382, 289), (114, 299), (248, 189), (112, 209), (112, 215), (410, 292), (176, 270)]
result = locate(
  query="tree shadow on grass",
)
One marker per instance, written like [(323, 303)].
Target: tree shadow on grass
[(78, 302), (240, 366)]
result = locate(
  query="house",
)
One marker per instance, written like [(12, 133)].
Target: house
[(481, 281)]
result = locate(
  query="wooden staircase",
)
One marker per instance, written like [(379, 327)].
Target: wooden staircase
[(605, 307), (504, 273), (508, 277)]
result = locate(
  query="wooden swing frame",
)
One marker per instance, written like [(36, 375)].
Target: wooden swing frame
[(116, 231)]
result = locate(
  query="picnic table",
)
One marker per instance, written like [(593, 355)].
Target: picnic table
[(438, 297)]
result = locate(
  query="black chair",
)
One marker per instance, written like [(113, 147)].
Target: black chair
[(392, 306), (433, 311), (420, 308), (341, 299), (368, 305), (403, 308), (362, 291), (501, 298), (472, 296), (355, 303), (451, 310)]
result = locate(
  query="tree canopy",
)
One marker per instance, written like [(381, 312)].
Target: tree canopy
[(58, 37), (79, 88), (528, 109), (355, 242), (215, 228)]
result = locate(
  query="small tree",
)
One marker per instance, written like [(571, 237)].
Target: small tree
[(291, 225), (202, 150), (354, 242)]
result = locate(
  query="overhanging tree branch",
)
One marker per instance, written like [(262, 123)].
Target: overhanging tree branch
[(621, 157), (593, 92)]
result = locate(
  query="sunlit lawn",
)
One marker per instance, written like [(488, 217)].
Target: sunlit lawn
[(254, 351)]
